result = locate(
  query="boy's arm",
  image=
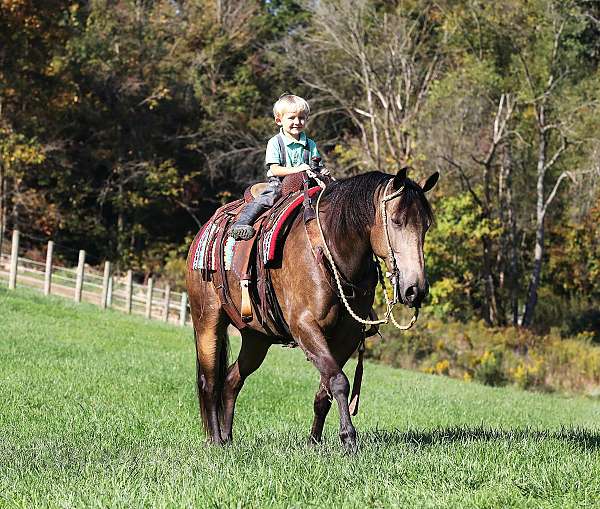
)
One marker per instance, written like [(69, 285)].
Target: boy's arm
[(281, 171), (273, 161), (314, 152)]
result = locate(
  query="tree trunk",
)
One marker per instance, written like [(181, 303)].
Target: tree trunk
[(120, 227), (511, 241), (491, 305), (372, 113), (2, 206), (536, 273)]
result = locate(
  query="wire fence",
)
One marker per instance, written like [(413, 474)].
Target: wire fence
[(85, 283)]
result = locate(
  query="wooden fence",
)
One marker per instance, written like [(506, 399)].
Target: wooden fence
[(84, 283)]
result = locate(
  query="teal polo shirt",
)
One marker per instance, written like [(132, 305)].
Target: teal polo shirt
[(294, 151)]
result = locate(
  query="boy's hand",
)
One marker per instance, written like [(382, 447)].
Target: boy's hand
[(302, 167)]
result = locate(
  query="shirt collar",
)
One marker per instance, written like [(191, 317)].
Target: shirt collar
[(289, 140)]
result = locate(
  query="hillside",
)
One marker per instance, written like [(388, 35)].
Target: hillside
[(99, 408)]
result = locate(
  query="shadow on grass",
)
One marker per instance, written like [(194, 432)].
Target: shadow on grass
[(585, 439)]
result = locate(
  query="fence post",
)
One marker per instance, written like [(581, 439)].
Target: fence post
[(128, 291), (14, 257), (167, 303), (48, 274), (149, 298), (105, 284), (79, 281), (183, 309), (110, 291)]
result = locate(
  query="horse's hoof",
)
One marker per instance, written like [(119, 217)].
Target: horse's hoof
[(313, 441), (349, 442), (217, 442), (350, 447)]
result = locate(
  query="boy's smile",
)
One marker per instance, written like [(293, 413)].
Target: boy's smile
[(292, 123)]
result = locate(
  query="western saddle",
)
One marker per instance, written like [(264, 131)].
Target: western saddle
[(215, 253)]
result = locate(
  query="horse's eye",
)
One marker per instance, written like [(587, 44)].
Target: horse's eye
[(397, 218)]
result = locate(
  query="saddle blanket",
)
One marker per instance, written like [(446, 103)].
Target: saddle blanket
[(205, 247)]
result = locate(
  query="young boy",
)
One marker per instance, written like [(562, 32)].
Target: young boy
[(288, 152)]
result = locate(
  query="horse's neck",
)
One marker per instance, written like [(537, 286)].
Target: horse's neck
[(353, 257)]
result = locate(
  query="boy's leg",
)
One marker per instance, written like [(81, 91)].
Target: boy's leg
[(242, 229)]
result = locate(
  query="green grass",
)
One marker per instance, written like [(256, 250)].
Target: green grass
[(99, 409)]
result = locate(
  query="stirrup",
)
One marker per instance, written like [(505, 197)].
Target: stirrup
[(242, 232)]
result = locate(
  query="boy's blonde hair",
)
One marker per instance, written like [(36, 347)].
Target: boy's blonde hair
[(289, 102)]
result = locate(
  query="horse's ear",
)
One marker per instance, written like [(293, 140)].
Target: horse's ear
[(400, 178), (429, 183)]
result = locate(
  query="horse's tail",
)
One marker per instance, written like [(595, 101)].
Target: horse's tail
[(220, 355)]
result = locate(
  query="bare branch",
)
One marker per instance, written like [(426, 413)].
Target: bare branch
[(527, 73), (363, 113), (563, 175), (563, 146), (464, 179), (595, 20), (190, 211), (499, 132)]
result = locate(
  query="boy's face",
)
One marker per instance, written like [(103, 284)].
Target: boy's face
[(292, 122)]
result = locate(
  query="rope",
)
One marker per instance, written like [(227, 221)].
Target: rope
[(389, 315)]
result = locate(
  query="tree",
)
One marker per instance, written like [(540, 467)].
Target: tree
[(555, 93), (30, 34), (372, 64), (517, 97)]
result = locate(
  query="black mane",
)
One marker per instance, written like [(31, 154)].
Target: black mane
[(352, 209)]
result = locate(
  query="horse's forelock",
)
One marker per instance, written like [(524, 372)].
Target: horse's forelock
[(413, 206)]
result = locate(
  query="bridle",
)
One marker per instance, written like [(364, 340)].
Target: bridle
[(394, 276)]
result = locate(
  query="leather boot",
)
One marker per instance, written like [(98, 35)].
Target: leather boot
[(242, 228)]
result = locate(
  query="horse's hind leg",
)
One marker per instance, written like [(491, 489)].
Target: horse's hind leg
[(252, 353), (210, 326)]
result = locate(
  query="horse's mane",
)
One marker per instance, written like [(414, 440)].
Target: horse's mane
[(352, 210)]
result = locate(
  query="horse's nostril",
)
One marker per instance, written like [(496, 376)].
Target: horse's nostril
[(410, 293)]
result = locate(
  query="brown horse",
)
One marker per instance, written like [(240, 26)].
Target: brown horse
[(319, 323)]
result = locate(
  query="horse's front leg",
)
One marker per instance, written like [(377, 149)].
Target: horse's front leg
[(333, 381), (340, 388), (322, 404)]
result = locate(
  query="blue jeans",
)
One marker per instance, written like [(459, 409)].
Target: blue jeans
[(271, 194)]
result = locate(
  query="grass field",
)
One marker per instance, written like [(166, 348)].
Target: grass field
[(99, 409)]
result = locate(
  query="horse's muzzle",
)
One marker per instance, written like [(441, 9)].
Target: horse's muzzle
[(413, 296)]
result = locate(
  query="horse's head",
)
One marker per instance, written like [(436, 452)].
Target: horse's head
[(403, 216)]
